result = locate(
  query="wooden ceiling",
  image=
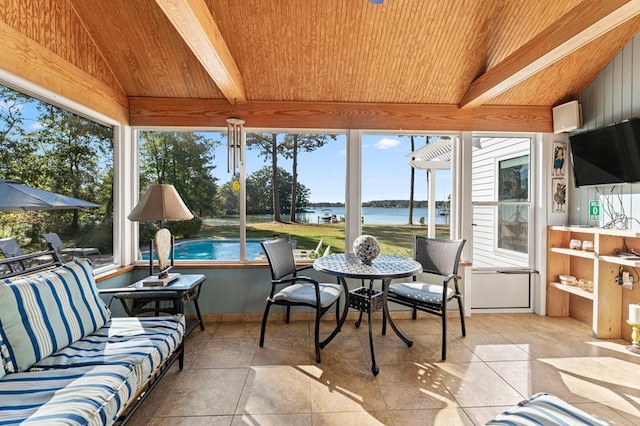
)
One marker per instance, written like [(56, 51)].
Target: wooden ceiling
[(237, 54)]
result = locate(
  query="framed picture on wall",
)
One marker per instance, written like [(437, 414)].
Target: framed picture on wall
[(559, 194), (559, 156)]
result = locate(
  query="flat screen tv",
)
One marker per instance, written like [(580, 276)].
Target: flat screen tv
[(607, 155)]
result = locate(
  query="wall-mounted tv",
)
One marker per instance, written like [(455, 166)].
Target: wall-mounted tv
[(607, 155)]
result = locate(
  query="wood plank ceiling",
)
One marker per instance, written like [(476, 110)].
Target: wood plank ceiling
[(454, 53)]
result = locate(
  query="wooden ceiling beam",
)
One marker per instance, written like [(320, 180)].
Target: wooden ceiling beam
[(198, 113), (581, 25), (193, 21)]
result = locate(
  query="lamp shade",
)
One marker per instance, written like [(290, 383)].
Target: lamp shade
[(159, 203)]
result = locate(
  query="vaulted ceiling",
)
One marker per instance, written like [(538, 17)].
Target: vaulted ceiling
[(245, 56)]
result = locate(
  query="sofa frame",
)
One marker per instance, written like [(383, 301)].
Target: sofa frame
[(56, 260)]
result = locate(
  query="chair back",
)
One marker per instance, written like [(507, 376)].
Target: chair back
[(53, 239), (9, 247), (438, 256), (280, 256)]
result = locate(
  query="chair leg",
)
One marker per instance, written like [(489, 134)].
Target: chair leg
[(444, 332), (264, 323), (338, 312), (288, 314), (414, 314), (461, 309), (316, 335)]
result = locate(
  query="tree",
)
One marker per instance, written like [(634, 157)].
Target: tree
[(184, 159), (16, 154), (413, 178), (259, 199), (294, 143), (70, 165), (267, 145)]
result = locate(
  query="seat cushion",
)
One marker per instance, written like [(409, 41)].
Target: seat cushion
[(74, 396), (545, 409), (306, 293), (142, 344), (421, 292), (44, 312)]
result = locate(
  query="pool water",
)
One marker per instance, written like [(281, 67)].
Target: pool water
[(210, 249)]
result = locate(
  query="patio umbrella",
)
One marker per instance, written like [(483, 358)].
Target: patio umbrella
[(19, 197)]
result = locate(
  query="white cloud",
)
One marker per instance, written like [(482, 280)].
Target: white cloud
[(386, 143)]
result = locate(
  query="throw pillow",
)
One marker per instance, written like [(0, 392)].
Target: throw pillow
[(43, 313)]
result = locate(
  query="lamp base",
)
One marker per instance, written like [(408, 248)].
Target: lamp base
[(155, 281)]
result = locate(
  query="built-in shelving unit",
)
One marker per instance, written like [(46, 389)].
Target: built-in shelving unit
[(603, 308)]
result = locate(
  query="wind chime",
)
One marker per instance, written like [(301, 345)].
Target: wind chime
[(235, 142)]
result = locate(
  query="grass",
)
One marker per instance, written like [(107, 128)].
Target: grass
[(394, 239)]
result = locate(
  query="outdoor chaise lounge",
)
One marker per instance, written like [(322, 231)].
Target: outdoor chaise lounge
[(53, 239), (9, 248)]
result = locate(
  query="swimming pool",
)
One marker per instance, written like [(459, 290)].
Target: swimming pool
[(210, 249)]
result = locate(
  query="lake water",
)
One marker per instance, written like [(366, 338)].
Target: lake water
[(378, 215)]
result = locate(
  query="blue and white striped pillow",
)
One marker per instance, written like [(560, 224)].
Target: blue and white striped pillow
[(45, 312)]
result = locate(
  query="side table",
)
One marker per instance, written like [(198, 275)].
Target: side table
[(138, 299)]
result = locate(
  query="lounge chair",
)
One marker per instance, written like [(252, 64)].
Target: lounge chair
[(307, 254), (53, 239), (9, 248)]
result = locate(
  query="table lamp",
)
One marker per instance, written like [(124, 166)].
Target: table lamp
[(160, 203)]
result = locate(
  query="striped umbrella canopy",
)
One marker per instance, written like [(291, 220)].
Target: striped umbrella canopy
[(16, 196)]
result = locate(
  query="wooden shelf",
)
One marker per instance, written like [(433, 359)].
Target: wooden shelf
[(620, 261), (625, 233), (574, 252), (573, 290), (602, 309)]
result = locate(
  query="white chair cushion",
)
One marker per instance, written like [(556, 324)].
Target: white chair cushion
[(423, 292), (306, 293)]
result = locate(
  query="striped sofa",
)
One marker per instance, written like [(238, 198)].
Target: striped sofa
[(65, 360)]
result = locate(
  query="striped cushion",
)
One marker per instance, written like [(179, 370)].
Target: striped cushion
[(142, 344), (74, 396), (545, 409), (43, 313)]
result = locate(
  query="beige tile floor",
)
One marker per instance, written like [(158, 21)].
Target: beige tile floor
[(229, 380)]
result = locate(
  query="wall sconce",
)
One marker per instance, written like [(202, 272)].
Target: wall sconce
[(235, 142)]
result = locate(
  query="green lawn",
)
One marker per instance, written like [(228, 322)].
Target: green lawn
[(394, 239)]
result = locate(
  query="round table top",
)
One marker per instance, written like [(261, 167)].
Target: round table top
[(385, 266)]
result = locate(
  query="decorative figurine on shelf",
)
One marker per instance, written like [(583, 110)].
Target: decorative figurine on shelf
[(575, 244), (366, 247), (634, 322)]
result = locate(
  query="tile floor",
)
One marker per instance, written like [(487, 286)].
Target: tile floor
[(229, 380)]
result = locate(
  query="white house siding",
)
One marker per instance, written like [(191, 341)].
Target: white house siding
[(484, 189), (614, 96)]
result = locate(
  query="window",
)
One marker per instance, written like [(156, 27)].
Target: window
[(53, 149), (513, 218), (395, 195), (309, 178), (308, 204)]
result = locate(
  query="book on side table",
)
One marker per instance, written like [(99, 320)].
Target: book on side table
[(154, 281)]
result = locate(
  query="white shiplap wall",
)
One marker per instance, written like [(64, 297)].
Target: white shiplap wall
[(614, 96)]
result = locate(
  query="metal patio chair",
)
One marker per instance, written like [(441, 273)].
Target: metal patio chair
[(440, 258), (297, 290)]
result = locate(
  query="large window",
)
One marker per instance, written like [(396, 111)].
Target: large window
[(395, 195), (295, 189), (49, 148), (290, 180)]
